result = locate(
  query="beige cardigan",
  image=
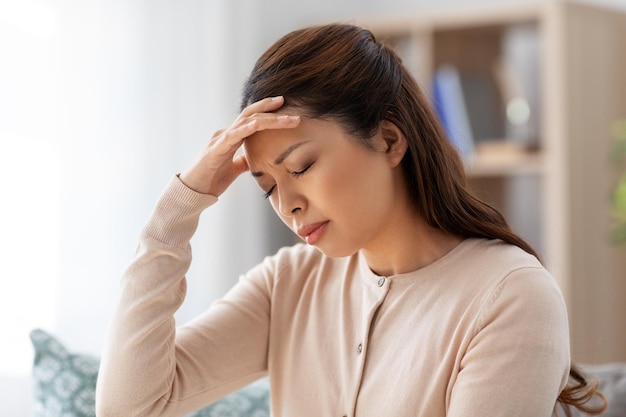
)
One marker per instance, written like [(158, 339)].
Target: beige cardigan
[(481, 332)]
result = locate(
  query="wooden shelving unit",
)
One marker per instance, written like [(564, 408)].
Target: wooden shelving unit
[(555, 194)]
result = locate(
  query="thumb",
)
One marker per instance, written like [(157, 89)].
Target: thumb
[(240, 165)]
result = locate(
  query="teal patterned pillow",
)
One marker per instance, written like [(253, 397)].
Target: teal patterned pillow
[(65, 383), (250, 401), (65, 386)]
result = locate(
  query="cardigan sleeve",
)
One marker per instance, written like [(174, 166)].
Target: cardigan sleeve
[(148, 366), (518, 360)]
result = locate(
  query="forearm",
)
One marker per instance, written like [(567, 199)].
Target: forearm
[(139, 360)]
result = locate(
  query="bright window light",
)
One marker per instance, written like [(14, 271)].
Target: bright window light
[(36, 18), (29, 217), (29, 177)]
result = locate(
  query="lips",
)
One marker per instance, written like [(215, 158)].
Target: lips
[(311, 233)]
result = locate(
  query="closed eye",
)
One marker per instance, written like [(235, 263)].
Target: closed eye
[(269, 192), (296, 174)]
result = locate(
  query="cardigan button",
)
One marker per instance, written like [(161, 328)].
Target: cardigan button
[(381, 282), (360, 347)]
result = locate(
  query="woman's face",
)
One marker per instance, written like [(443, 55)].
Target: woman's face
[(328, 188)]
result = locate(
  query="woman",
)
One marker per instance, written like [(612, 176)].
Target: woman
[(410, 297)]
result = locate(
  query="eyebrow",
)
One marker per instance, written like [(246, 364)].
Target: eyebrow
[(281, 158)]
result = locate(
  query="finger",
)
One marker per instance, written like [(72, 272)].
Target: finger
[(258, 122), (276, 121), (240, 165), (233, 136), (262, 106)]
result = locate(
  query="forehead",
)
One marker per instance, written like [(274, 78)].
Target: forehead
[(269, 143)]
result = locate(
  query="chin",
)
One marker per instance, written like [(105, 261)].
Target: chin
[(335, 252)]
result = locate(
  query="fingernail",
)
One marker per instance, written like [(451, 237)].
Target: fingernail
[(277, 98)]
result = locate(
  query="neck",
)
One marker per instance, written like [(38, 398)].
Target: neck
[(408, 244)]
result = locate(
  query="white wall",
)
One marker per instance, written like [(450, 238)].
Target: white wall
[(101, 102), (29, 181)]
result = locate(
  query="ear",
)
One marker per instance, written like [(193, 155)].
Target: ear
[(393, 142)]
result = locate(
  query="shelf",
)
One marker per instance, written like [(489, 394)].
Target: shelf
[(567, 59), (503, 160), (457, 19)]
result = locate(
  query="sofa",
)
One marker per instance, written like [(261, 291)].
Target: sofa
[(64, 386), (612, 378)]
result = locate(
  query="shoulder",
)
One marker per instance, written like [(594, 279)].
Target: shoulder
[(497, 256), (296, 258), (299, 263), (518, 285), (491, 264), (496, 277), (513, 269)]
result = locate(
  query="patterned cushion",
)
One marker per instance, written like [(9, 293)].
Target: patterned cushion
[(65, 383), (251, 401), (65, 386)]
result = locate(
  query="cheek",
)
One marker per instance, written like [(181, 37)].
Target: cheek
[(359, 188)]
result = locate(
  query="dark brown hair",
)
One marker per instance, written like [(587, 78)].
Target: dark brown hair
[(341, 72)]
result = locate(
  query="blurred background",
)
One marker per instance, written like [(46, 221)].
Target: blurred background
[(101, 103)]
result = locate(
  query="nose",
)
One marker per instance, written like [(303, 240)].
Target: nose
[(290, 201)]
